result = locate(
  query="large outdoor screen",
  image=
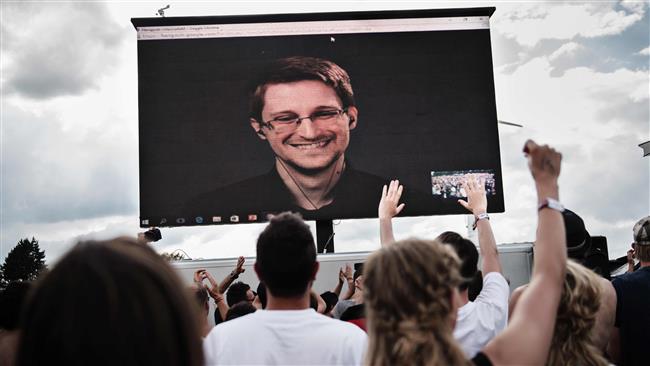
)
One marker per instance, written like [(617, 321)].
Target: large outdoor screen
[(245, 116)]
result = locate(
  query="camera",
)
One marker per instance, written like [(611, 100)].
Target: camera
[(152, 235)]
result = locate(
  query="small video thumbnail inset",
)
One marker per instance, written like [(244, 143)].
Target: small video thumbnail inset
[(449, 184)]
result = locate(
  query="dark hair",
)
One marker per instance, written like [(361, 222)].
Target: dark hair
[(331, 299), (357, 311), (358, 270), (108, 303), (237, 293), (286, 255), (12, 301), (217, 317), (299, 68), (240, 309), (467, 253), (200, 294), (475, 286), (261, 294)]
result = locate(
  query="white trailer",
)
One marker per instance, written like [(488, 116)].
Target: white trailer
[(516, 260)]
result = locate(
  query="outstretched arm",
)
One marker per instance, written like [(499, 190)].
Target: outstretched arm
[(389, 207), (349, 277), (217, 296), (321, 305), (339, 284), (527, 339), (232, 276), (477, 205)]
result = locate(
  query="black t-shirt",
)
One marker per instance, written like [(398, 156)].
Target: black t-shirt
[(633, 315), (356, 195), (354, 312), (481, 359)]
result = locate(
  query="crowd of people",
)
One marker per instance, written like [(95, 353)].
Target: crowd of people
[(413, 301), (452, 185)]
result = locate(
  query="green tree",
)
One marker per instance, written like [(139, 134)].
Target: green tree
[(173, 256), (24, 262)]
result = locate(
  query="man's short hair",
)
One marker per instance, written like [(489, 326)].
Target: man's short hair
[(467, 253), (261, 294), (237, 292), (358, 270), (240, 309), (286, 256), (299, 68)]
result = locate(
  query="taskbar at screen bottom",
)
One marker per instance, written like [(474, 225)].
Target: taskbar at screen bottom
[(146, 222)]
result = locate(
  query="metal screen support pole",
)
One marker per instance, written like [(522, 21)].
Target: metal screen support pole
[(325, 236)]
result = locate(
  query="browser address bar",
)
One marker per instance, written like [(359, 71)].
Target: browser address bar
[(312, 27)]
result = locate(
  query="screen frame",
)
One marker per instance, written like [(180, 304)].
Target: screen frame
[(301, 17)]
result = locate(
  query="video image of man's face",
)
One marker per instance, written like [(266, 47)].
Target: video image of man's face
[(308, 146)]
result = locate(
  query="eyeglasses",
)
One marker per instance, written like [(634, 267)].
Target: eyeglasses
[(290, 122)]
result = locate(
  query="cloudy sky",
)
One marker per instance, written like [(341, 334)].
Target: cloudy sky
[(576, 75)]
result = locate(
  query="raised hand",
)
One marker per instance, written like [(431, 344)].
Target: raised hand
[(544, 162), (630, 256), (342, 277), (213, 289), (389, 205), (199, 276), (349, 275), (240, 266), (476, 198)]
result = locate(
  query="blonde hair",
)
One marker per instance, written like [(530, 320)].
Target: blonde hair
[(573, 342), (408, 294)]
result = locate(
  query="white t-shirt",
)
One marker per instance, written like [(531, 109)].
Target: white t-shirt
[(285, 337), (481, 320)]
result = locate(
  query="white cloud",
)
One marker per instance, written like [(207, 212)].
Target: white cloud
[(53, 49), (529, 23), (76, 156), (635, 5), (566, 49), (603, 177), (645, 51), (50, 174)]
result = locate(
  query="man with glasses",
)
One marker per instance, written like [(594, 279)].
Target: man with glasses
[(304, 108)]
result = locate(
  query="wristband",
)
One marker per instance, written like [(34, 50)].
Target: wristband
[(552, 204), (480, 216)]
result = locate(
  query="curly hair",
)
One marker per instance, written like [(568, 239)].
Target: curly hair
[(408, 292), (573, 342)]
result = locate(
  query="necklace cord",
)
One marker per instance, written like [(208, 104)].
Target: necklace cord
[(300, 188)]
